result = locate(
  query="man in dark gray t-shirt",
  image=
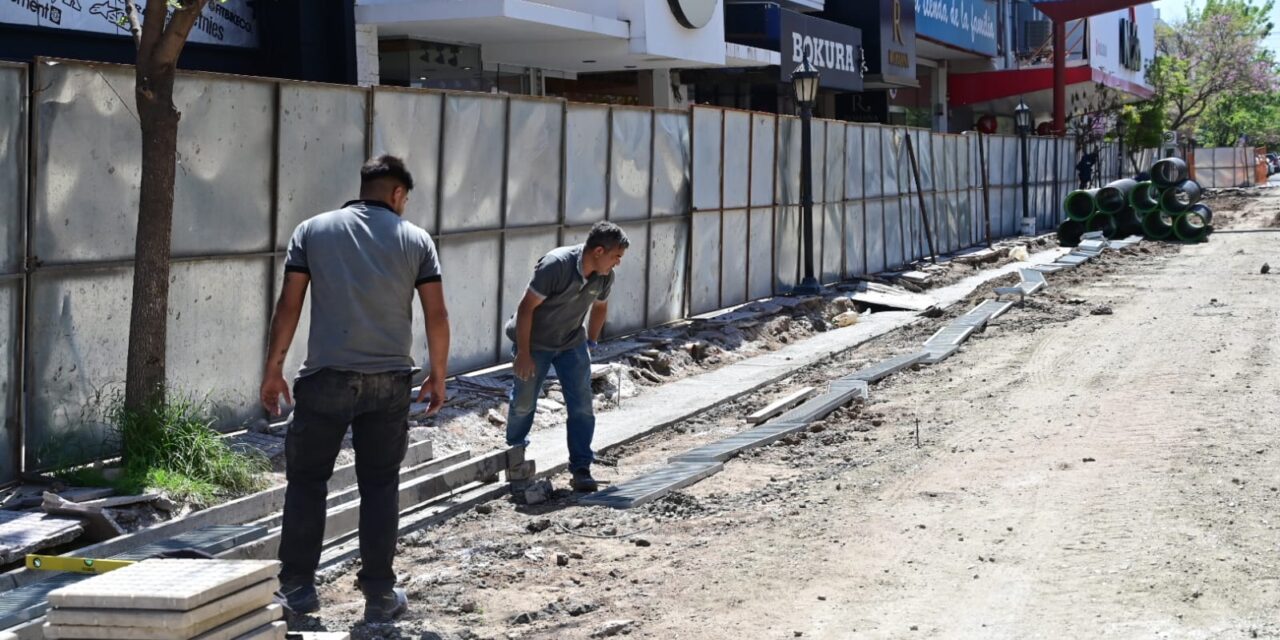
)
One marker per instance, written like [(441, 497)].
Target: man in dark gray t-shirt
[(567, 284), (363, 264)]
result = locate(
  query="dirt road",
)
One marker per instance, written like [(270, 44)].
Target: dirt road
[(1101, 463)]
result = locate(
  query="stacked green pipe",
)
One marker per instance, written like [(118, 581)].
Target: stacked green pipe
[(1165, 207)]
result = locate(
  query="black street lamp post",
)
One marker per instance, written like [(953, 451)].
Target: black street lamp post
[(1022, 119), (804, 81), (1120, 146)]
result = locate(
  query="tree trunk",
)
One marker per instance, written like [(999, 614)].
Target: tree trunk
[(148, 321)]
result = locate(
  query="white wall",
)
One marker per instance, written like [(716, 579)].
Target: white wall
[(655, 31), (1104, 42)]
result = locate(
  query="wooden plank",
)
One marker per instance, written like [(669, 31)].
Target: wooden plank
[(780, 405), (237, 511)]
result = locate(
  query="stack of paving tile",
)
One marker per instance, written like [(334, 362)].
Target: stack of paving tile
[(171, 600)]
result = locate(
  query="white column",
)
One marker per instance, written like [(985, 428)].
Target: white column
[(367, 70)]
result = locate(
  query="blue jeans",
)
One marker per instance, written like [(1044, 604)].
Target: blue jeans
[(573, 367)]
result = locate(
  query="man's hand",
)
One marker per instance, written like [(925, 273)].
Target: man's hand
[(433, 387), (524, 366), (272, 388)]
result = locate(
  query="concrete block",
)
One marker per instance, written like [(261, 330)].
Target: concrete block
[(229, 629), (273, 631), (878, 372), (25, 532), (203, 618), (939, 353), (779, 405), (651, 486), (735, 444), (173, 585)]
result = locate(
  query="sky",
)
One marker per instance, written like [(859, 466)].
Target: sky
[(1176, 10)]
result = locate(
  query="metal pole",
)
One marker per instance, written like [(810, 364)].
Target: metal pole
[(924, 214), (986, 185), (1028, 226), (808, 286), (1059, 78)]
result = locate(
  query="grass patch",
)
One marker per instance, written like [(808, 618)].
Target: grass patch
[(171, 446)]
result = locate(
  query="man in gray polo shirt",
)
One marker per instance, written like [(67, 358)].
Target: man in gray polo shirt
[(548, 331), (363, 263)]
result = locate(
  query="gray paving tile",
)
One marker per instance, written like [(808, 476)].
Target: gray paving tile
[(651, 486), (1073, 259), (950, 335), (1048, 268), (753, 438), (822, 406), (939, 353), (878, 372), (23, 532)]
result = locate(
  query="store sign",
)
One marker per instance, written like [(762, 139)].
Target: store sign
[(1130, 46), (888, 35), (693, 14), (964, 24), (231, 23), (835, 49)]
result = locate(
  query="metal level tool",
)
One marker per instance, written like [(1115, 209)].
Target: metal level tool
[(75, 565)]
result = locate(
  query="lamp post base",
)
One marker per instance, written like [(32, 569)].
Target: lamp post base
[(807, 287)]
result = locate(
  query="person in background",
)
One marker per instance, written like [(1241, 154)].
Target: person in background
[(363, 262), (547, 331), (1085, 168)]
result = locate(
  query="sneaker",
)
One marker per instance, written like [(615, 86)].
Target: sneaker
[(583, 482), (301, 597), (385, 607)]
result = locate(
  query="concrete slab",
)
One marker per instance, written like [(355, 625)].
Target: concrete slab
[(172, 585), (752, 438), (894, 297), (1048, 268), (1073, 259), (651, 486), (29, 602), (878, 372), (939, 353), (273, 631), (779, 405), (950, 335), (1032, 276), (228, 629), (822, 406), (194, 622), (27, 532)]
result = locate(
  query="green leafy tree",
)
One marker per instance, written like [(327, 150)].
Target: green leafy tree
[(1216, 52), (1144, 127)]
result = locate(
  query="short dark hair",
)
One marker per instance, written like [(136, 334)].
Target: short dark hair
[(607, 235), (385, 166)]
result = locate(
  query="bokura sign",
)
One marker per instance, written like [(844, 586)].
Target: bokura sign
[(835, 49), (231, 23)]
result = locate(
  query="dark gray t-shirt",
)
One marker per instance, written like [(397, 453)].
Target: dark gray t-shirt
[(566, 295), (365, 263)]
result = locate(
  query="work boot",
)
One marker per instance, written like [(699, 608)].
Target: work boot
[(385, 607), (301, 596), (583, 482)]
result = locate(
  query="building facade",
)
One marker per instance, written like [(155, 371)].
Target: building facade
[(312, 40)]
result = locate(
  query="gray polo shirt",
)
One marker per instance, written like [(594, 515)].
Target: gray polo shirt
[(567, 296), (365, 264)]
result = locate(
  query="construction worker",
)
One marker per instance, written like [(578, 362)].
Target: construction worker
[(548, 331), (363, 263)]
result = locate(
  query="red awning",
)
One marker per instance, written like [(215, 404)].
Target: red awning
[(1063, 10), (974, 88)]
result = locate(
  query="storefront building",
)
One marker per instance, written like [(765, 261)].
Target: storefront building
[(1107, 52), (616, 51), (834, 49), (312, 40)]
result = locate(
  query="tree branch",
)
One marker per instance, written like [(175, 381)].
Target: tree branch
[(175, 33), (135, 25)]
